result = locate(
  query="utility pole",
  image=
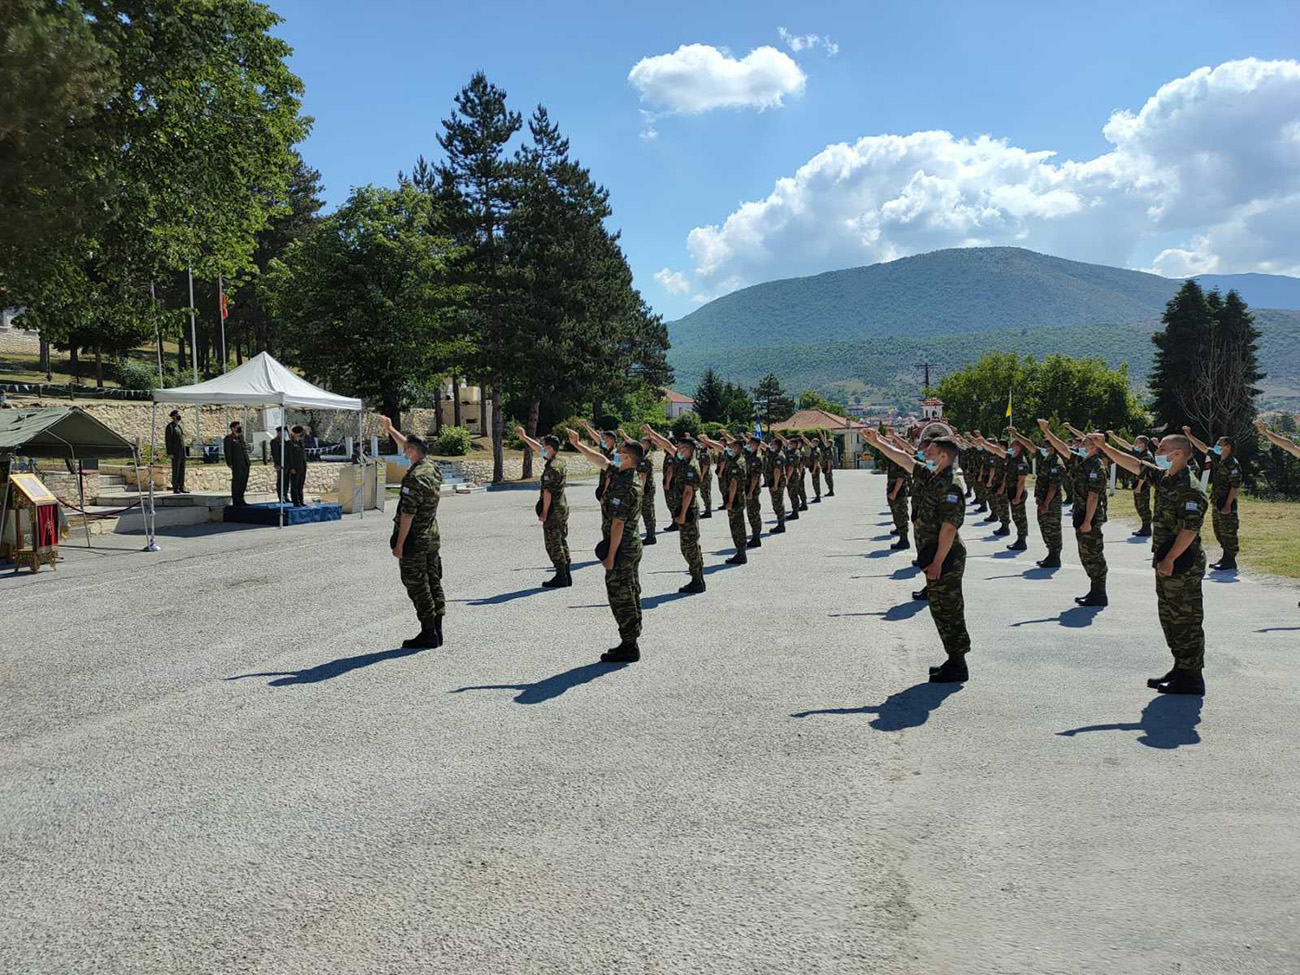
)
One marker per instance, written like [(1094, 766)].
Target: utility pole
[(927, 366)]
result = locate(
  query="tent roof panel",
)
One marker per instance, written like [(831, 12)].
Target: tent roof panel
[(59, 431), (261, 381)]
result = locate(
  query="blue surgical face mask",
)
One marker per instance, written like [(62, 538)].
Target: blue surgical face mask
[(1163, 462), (1217, 449), (1044, 451), (542, 453), (920, 455), (1081, 451), (931, 466), (680, 455), (616, 460), (730, 452)]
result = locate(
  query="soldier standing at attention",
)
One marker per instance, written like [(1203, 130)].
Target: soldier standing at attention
[(1088, 515), (671, 484), (815, 467), (774, 471), (620, 508), (828, 464), (174, 441), (1047, 499), (704, 457), (552, 508), (1225, 482), (898, 489), (686, 512), (277, 457), (805, 458), (295, 462), (938, 541), (415, 540), (1179, 560), (1141, 483), (646, 472), (1015, 474), (753, 490), (733, 480), (235, 449), (790, 475)]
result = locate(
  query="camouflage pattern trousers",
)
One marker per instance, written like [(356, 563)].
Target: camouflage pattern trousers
[(555, 532), (706, 487), (898, 508), (817, 481), (948, 607), (1182, 613), (1020, 517), (792, 487), (421, 568), (803, 489), (689, 536), (623, 587), (736, 519), (1142, 502), (830, 480), (648, 511), (1225, 529), (1092, 553), (778, 504), (1049, 524), (1001, 507), (754, 508)]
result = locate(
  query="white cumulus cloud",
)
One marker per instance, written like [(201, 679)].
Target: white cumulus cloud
[(1211, 161), (699, 78), (674, 282), (808, 42)]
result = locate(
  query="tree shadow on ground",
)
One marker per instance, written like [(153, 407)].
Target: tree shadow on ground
[(910, 708), (1168, 721), (1075, 618), (549, 688), (328, 671)]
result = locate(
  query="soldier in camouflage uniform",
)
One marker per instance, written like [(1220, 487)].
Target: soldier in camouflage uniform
[(805, 458), (704, 458), (685, 509), (1016, 481), (828, 464), (1225, 483), (1047, 499), (734, 478), (1179, 514), (976, 480), (415, 541), (815, 469), (1141, 452), (646, 474), (941, 511), (791, 450), (774, 474), (552, 508), (754, 490), (1088, 514), (898, 489), (620, 512)]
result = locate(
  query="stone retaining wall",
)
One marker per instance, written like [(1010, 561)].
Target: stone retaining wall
[(479, 469), (322, 478)]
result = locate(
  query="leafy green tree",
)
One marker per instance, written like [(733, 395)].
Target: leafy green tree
[(771, 401), (810, 399), (1180, 347), (737, 407), (365, 302), (708, 397)]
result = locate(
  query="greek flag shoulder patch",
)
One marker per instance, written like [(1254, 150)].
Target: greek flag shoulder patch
[(406, 490), (952, 498), (615, 501), (1193, 506)]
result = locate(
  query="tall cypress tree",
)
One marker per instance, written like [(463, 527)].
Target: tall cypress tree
[(1237, 340), (1179, 351), (709, 403)]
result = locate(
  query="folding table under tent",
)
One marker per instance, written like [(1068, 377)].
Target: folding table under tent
[(259, 382)]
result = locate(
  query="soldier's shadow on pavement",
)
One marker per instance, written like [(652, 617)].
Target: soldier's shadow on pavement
[(549, 688), (1038, 573), (1222, 577), (1278, 629), (508, 597), (903, 611), (910, 708), (1168, 721), (328, 671), (1079, 616)]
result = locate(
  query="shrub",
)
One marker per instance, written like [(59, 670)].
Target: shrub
[(454, 442), (686, 423), (134, 374), (562, 429)]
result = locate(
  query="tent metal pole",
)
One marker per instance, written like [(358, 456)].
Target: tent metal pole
[(361, 456), (139, 488), (284, 460), (194, 345), (151, 526), (157, 332), (81, 493)]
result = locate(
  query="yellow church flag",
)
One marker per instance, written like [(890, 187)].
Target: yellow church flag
[(1008, 404)]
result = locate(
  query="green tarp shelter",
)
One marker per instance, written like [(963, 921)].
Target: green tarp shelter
[(67, 432)]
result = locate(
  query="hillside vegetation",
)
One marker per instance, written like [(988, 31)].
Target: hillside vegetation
[(860, 333)]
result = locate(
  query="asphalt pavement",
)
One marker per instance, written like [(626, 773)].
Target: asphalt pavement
[(217, 759)]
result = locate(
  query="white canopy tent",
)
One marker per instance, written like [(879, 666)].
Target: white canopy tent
[(259, 382)]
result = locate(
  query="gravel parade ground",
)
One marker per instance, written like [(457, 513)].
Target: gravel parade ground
[(214, 760)]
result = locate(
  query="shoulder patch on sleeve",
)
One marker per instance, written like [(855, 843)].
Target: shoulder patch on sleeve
[(405, 489), (1193, 506), (952, 498), (615, 501)]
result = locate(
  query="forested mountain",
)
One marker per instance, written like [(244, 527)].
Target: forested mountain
[(861, 332)]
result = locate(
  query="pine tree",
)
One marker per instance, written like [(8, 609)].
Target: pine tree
[(1238, 375), (1179, 351), (771, 401), (708, 397)]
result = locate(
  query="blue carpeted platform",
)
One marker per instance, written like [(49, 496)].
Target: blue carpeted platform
[(268, 513)]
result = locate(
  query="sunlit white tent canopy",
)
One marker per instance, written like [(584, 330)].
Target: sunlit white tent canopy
[(261, 381)]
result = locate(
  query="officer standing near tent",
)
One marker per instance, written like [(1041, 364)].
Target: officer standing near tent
[(235, 448), (174, 440), (416, 542), (295, 462)]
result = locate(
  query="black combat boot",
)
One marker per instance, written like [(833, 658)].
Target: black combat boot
[(1018, 545), (556, 581), (1155, 682), (754, 542), (951, 671), (695, 585), (830, 494), (1003, 530), (817, 499), (893, 531), (426, 639), (779, 529), (901, 544), (740, 558), (672, 527), (1225, 564), (1053, 560), (708, 513), (923, 595), (626, 652), (1096, 597), (1183, 682), (437, 629), (803, 506), (793, 515), (650, 538), (1143, 532), (980, 508)]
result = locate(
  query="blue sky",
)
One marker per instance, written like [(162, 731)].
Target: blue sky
[(1039, 76)]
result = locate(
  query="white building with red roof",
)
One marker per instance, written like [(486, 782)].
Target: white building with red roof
[(677, 404)]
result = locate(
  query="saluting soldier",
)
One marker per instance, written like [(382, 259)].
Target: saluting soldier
[(791, 460), (174, 440), (774, 472), (1141, 451), (646, 472), (1088, 515), (704, 458), (604, 440), (1225, 482), (828, 464), (620, 509), (238, 459), (553, 508), (686, 512), (415, 541), (1178, 558), (898, 491), (734, 477), (939, 544), (754, 491), (1047, 498), (815, 468)]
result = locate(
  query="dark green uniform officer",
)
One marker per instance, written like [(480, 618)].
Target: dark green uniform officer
[(238, 459), (415, 540), (174, 440)]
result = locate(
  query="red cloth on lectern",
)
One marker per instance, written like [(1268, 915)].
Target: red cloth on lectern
[(47, 525)]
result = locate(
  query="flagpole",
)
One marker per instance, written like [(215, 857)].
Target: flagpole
[(221, 316)]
